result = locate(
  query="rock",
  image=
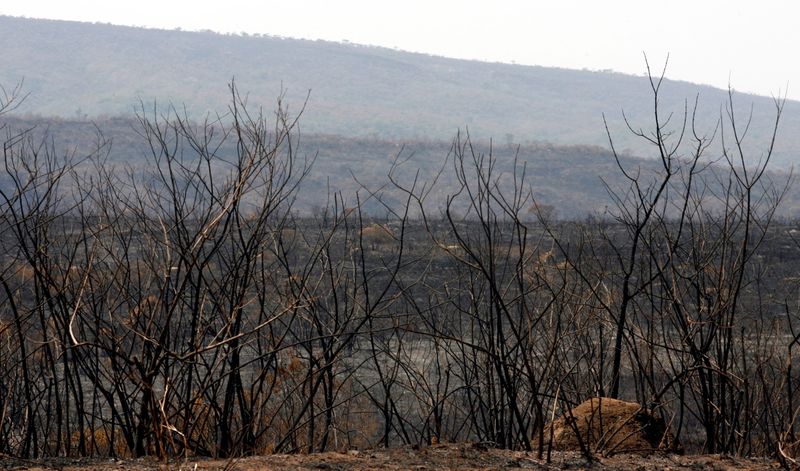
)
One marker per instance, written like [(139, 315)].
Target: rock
[(611, 426)]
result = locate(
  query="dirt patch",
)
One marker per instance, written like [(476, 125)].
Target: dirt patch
[(610, 426), (463, 456)]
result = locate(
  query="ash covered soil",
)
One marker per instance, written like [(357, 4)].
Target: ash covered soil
[(464, 456)]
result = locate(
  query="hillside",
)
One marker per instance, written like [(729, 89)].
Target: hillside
[(564, 176), (568, 178), (89, 70)]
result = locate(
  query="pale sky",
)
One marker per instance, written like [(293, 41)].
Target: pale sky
[(752, 44)]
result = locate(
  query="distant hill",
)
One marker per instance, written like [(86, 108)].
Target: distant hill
[(570, 179), (85, 71), (566, 177)]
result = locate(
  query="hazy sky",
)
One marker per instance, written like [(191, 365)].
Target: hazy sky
[(754, 44)]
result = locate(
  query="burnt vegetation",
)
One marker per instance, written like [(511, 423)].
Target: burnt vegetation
[(184, 307)]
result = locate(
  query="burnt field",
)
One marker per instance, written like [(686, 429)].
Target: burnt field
[(185, 308)]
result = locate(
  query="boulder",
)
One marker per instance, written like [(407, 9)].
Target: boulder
[(611, 426)]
